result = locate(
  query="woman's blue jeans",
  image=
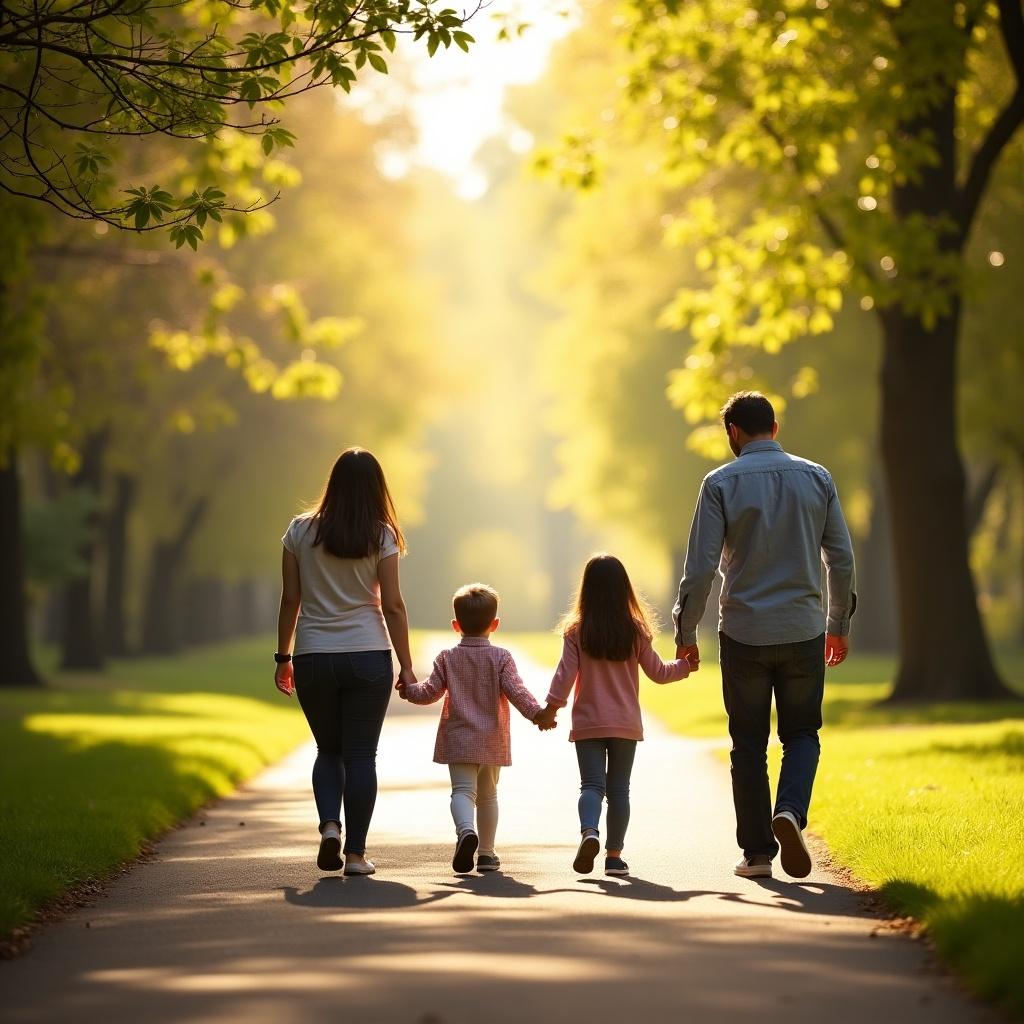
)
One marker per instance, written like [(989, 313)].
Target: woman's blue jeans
[(344, 697), (605, 768)]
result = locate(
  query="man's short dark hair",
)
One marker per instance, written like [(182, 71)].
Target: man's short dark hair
[(476, 607), (750, 411)]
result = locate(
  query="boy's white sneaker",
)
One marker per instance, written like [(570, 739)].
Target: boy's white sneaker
[(794, 855), (465, 850)]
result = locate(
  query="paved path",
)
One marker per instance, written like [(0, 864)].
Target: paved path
[(233, 922)]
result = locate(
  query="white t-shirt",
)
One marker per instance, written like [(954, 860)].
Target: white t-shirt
[(340, 609)]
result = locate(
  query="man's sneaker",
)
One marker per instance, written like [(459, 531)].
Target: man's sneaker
[(795, 857), (329, 856), (462, 862), (615, 866), (759, 866), (589, 848), (487, 862)]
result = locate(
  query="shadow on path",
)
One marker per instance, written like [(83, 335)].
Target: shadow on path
[(805, 898), (360, 893)]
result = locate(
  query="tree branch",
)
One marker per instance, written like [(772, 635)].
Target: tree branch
[(1011, 26)]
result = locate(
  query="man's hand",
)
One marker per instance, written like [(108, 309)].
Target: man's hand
[(691, 654), (284, 678), (545, 719), (836, 649)]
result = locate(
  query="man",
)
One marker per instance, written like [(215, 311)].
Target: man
[(770, 519)]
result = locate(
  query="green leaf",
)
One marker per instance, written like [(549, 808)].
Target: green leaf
[(377, 63)]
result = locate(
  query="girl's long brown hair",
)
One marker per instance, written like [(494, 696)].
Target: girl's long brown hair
[(607, 613), (355, 508)]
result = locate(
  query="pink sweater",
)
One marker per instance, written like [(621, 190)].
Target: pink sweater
[(477, 681), (607, 700)]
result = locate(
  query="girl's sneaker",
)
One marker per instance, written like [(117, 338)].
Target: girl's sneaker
[(462, 862), (329, 856), (589, 848), (487, 862), (615, 866)]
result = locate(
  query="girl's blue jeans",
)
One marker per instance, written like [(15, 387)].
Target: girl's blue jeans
[(605, 768)]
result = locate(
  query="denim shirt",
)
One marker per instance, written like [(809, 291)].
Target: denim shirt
[(767, 521)]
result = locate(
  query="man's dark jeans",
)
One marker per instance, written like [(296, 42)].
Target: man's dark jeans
[(344, 698), (796, 674)]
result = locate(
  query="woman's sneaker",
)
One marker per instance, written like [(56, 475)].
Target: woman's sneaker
[(795, 857), (329, 856), (759, 866), (589, 848), (462, 862), (487, 862), (615, 866), (360, 867)]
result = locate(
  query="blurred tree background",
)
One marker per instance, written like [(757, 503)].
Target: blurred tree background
[(677, 201)]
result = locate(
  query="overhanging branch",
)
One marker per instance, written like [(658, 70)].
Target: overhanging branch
[(1011, 27)]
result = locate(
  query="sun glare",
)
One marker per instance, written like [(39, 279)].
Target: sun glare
[(455, 100)]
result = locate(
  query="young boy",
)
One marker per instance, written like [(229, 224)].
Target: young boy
[(477, 681)]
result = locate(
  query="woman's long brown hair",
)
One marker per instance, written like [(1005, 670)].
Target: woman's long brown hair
[(607, 613), (355, 508)]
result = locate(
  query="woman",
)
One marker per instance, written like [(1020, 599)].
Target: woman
[(340, 583)]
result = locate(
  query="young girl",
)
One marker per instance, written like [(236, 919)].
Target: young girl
[(606, 636)]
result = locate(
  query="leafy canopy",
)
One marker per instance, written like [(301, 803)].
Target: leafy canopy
[(82, 80), (790, 127)]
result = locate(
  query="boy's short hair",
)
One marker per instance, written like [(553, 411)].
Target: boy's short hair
[(476, 607), (750, 411)]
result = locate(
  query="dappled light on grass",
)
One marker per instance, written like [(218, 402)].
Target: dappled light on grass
[(90, 772), (926, 803)]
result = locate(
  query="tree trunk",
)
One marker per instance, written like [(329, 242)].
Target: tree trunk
[(82, 647), (16, 667), (205, 611), (978, 496), (944, 654), (1019, 452), (162, 613), (115, 625)]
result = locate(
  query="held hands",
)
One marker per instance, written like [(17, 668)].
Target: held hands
[(545, 719), (690, 653), (836, 649), (284, 679), (405, 678)]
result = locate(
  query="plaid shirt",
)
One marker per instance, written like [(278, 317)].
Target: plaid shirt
[(477, 681)]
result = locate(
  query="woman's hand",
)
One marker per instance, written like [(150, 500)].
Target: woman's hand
[(406, 677), (284, 678)]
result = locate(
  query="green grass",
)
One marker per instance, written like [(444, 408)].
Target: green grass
[(926, 804), (94, 766)]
